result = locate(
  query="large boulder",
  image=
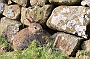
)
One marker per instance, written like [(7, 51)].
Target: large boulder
[(85, 3), (65, 2), (67, 43), (8, 28), (12, 11), (39, 14), (70, 19), (38, 2), (22, 2)]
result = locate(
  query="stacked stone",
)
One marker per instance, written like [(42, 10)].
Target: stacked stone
[(61, 15), (71, 20)]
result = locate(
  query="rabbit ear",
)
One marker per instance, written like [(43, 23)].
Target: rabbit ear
[(30, 19)]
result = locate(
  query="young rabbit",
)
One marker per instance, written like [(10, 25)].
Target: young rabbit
[(24, 37)]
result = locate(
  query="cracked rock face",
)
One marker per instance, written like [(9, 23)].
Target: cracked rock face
[(8, 28), (39, 14), (67, 43), (12, 11), (65, 2), (70, 19), (85, 3)]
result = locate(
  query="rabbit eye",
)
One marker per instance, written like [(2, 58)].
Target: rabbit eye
[(35, 27)]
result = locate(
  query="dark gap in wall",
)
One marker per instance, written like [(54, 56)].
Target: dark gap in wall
[(28, 3), (88, 30), (79, 48), (22, 27)]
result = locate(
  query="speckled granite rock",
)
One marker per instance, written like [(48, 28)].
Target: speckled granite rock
[(65, 2), (38, 2), (12, 11), (67, 43), (86, 45), (8, 28), (70, 19), (39, 14), (22, 2), (85, 3)]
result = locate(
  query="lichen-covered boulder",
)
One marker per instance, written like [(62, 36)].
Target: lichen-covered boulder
[(12, 11), (70, 19), (39, 14), (8, 28), (65, 2), (38, 2), (86, 45), (85, 3), (67, 43), (22, 2)]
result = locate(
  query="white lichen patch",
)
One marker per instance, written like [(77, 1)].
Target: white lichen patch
[(1, 7), (80, 30), (81, 19), (64, 27), (87, 17), (65, 10), (71, 23), (88, 12), (62, 38), (12, 38), (10, 13), (56, 19)]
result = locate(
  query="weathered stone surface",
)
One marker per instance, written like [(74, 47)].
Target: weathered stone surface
[(65, 2), (70, 19), (8, 28), (22, 2), (38, 2), (67, 43), (86, 45), (12, 11), (39, 14), (85, 3)]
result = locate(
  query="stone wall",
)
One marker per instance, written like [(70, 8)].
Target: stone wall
[(71, 17)]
